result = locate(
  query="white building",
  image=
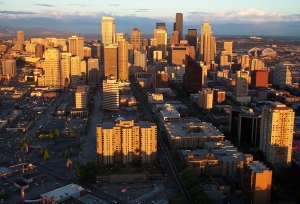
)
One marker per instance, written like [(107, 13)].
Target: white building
[(140, 59), (81, 96), (205, 99), (52, 68), (276, 135), (75, 71), (110, 94), (63, 193)]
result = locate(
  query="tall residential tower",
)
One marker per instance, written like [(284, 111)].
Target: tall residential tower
[(276, 135)]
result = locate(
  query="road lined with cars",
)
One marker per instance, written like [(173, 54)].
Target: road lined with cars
[(164, 153)]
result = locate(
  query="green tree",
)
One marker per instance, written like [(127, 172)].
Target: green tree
[(66, 81), (51, 135), (46, 156), (81, 172), (16, 106), (37, 133), (42, 136), (177, 199), (56, 132)]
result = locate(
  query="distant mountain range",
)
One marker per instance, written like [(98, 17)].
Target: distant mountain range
[(11, 32)]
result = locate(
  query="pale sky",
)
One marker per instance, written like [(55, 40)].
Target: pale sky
[(59, 14)]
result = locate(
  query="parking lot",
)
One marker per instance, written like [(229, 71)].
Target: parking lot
[(135, 192)]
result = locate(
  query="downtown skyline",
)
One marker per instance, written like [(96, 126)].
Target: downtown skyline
[(227, 18)]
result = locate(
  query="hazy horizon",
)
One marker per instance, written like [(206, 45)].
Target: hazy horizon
[(236, 18)]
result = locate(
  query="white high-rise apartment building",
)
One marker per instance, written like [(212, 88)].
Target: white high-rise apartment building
[(108, 30), (65, 64), (140, 59), (52, 68), (110, 96), (81, 96), (205, 99), (76, 46), (276, 135), (126, 142), (241, 86), (9, 68), (75, 71)]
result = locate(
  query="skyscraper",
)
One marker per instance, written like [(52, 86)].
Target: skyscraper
[(179, 24), (241, 87), (193, 75), (276, 136), (161, 25), (174, 38), (192, 38), (52, 68), (20, 37), (108, 30), (20, 40), (111, 60), (123, 70), (161, 38), (228, 48), (208, 44), (119, 37), (136, 39), (76, 46)]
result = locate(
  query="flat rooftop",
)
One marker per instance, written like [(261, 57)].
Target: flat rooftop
[(64, 191), (89, 199), (191, 129), (257, 166), (210, 187)]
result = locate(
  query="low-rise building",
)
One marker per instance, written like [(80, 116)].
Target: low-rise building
[(21, 184), (155, 98), (4, 171), (63, 193), (187, 135), (216, 159), (214, 192)]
